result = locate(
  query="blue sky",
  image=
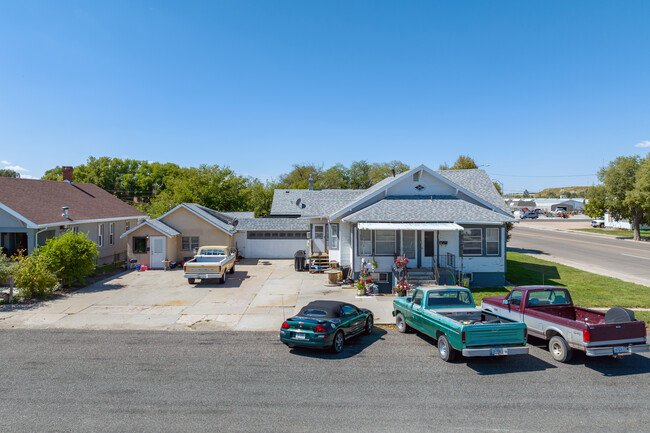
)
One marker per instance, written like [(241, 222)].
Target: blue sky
[(543, 92)]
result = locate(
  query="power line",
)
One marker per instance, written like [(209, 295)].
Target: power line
[(539, 175)]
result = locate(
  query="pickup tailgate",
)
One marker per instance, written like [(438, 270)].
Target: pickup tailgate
[(202, 268), (496, 334), (613, 333)]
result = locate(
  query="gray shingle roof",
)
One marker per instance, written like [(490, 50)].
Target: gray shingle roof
[(212, 216), (313, 203), (239, 215), (274, 224), (163, 228), (478, 183), (426, 209)]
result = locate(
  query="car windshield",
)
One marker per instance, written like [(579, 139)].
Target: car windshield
[(448, 298), (213, 252), (548, 297)]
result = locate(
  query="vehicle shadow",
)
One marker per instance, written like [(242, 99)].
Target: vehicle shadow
[(527, 251), (489, 365), (232, 280), (352, 347), (613, 367)]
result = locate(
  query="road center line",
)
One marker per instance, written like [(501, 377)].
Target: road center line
[(584, 242), (638, 257)]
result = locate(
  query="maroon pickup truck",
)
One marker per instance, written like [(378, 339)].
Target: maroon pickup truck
[(549, 314)]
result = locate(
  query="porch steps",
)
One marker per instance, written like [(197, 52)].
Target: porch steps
[(421, 278), (318, 263)]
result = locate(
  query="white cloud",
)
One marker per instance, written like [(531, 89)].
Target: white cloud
[(26, 176), (15, 168), (645, 143), (5, 162)]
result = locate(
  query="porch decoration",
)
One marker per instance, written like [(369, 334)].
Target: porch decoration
[(365, 287), (401, 288), (401, 262)]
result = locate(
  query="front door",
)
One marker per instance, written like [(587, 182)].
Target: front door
[(318, 238), (156, 252), (428, 249)]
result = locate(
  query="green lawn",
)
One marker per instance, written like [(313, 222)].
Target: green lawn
[(587, 289), (620, 233)]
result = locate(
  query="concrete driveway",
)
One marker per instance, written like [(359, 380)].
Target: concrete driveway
[(258, 296)]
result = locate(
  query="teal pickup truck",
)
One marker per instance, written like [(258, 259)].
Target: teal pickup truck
[(449, 315)]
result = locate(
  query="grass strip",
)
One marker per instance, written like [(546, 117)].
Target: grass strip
[(587, 289), (617, 232)]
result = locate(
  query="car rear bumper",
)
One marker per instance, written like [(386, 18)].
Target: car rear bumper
[(496, 351), (626, 349), (320, 343), (202, 276)]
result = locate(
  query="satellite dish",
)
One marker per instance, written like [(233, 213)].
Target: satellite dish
[(298, 202), (235, 222)]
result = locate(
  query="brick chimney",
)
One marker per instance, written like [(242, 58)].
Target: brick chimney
[(67, 172)]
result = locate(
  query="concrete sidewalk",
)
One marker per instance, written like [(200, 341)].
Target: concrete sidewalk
[(257, 297)]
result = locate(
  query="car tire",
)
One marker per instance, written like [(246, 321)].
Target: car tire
[(190, 280), (447, 353), (601, 225), (367, 329), (401, 323), (223, 279), (338, 342), (560, 350), (232, 270)]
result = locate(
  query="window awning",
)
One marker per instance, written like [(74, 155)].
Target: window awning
[(410, 226)]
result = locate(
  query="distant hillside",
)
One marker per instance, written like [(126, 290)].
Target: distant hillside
[(569, 191)]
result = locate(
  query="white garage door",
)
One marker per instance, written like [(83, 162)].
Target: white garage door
[(274, 249)]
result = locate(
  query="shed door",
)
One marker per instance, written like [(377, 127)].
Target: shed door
[(157, 252)]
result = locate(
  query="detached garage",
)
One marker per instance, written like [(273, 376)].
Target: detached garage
[(271, 238)]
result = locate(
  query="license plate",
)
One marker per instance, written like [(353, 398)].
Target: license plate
[(497, 351), (299, 336), (620, 349)]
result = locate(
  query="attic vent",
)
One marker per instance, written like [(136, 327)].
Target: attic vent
[(416, 176), (419, 187), (65, 210)]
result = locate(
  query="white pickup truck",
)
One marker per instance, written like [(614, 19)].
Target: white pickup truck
[(210, 262)]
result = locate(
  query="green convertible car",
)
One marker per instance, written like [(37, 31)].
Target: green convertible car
[(326, 325)]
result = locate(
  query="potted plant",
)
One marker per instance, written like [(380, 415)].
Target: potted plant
[(401, 262), (361, 287), (401, 288)]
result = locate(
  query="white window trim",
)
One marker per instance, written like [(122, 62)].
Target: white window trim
[(336, 236), (111, 233), (480, 242), (100, 235), (497, 242), (394, 243)]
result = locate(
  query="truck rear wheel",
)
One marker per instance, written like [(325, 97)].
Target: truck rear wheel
[(560, 350), (232, 270), (447, 353), (190, 280), (223, 279)]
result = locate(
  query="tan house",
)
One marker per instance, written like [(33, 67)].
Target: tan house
[(174, 235), (33, 211)]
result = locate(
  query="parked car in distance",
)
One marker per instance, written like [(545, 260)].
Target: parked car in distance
[(210, 262), (550, 314), (326, 325), (449, 315), (600, 223), (529, 214)]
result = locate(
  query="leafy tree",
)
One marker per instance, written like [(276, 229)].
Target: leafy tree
[(360, 175), (298, 178), (638, 200), (526, 194), (380, 171), (464, 162), (260, 197), (335, 177), (619, 178), (33, 276), (70, 256), (212, 186), (596, 201), (5, 172), (497, 185)]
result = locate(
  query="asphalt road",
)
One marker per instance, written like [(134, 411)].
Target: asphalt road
[(609, 255), (250, 382)]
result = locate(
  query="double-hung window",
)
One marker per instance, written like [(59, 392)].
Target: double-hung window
[(334, 236), (100, 235), (365, 242), (472, 242), (384, 242), (188, 243), (492, 241), (111, 233)]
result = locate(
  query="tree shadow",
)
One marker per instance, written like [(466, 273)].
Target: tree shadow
[(351, 348), (524, 274)]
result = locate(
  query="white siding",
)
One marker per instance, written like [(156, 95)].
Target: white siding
[(432, 186)]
